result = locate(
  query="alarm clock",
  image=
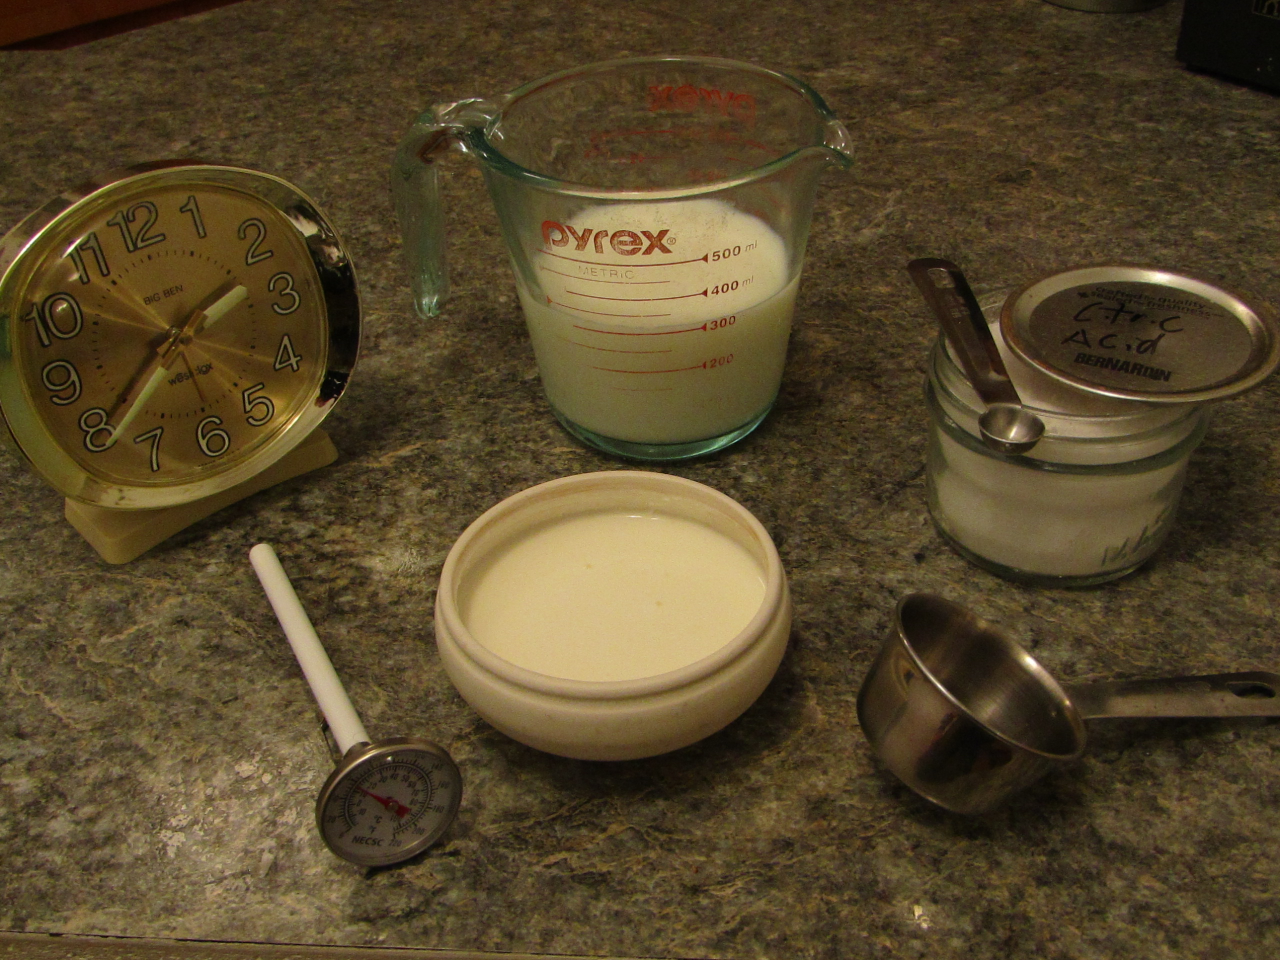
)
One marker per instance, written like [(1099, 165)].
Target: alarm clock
[(171, 337)]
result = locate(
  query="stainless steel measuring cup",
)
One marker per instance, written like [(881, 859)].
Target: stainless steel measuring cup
[(965, 717), (656, 212)]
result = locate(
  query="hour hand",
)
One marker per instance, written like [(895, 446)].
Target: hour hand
[(204, 317), (216, 306)]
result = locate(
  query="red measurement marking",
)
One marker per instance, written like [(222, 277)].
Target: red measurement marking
[(597, 263), (602, 313), (639, 333), (592, 296), (696, 366), (588, 346)]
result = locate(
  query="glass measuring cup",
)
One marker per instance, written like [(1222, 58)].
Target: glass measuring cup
[(656, 212)]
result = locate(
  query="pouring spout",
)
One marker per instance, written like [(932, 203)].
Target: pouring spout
[(838, 144)]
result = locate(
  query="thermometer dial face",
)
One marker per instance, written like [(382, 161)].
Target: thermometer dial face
[(389, 801), (171, 332)]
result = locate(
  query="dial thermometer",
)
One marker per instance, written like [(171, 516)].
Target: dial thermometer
[(386, 801)]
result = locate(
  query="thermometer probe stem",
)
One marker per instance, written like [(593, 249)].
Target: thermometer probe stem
[(341, 716)]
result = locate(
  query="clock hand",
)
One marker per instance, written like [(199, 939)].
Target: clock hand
[(216, 306), (205, 317), (143, 384), (202, 320), (195, 381), (140, 401)]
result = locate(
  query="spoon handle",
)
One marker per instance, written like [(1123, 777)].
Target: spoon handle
[(1254, 694), (949, 296)]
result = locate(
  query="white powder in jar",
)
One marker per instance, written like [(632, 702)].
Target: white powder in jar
[(1091, 502), (1038, 522)]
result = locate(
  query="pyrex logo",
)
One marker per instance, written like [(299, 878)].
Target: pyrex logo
[(625, 243), (688, 99)]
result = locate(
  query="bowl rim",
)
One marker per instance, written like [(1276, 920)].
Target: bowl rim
[(578, 484)]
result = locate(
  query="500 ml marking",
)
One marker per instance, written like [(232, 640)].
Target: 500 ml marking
[(735, 251)]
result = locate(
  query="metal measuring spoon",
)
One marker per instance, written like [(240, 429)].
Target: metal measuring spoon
[(964, 716), (1006, 425)]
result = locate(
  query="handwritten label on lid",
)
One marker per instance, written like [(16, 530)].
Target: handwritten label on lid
[(1140, 333)]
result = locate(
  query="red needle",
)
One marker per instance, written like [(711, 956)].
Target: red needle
[(393, 805)]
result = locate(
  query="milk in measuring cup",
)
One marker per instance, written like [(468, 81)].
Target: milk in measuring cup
[(660, 322)]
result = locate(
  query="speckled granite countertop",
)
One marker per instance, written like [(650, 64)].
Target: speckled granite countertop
[(159, 752)]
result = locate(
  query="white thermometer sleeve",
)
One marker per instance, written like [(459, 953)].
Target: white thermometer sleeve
[(343, 720)]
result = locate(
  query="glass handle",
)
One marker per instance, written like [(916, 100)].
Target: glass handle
[(415, 189)]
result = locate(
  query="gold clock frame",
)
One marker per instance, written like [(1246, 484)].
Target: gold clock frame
[(123, 520)]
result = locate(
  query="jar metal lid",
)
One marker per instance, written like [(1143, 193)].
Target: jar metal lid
[(1141, 333)]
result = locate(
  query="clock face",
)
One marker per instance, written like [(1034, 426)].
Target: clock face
[(170, 334)]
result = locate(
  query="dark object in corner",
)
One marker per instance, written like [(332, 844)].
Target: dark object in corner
[(1239, 39)]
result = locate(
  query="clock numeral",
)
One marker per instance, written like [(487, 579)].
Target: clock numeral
[(94, 422), (60, 375), (193, 208), (253, 254), (154, 436), (123, 221), (91, 244), (286, 290), (213, 440), (58, 315), (286, 356), (252, 401)]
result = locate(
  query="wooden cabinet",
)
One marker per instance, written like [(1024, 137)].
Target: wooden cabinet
[(25, 19)]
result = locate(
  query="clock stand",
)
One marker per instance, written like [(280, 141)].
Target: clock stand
[(123, 535)]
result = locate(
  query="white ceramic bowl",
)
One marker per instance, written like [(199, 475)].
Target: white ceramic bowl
[(639, 711)]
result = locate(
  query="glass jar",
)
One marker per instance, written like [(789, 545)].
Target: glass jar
[(1091, 502)]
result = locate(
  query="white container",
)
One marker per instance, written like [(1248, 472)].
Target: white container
[(612, 616)]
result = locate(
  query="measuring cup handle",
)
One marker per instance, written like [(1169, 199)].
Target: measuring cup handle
[(415, 189), (1254, 694)]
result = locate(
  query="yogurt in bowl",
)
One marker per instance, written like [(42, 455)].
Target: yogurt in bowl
[(612, 616)]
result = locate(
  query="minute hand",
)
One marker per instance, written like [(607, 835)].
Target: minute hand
[(153, 374)]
